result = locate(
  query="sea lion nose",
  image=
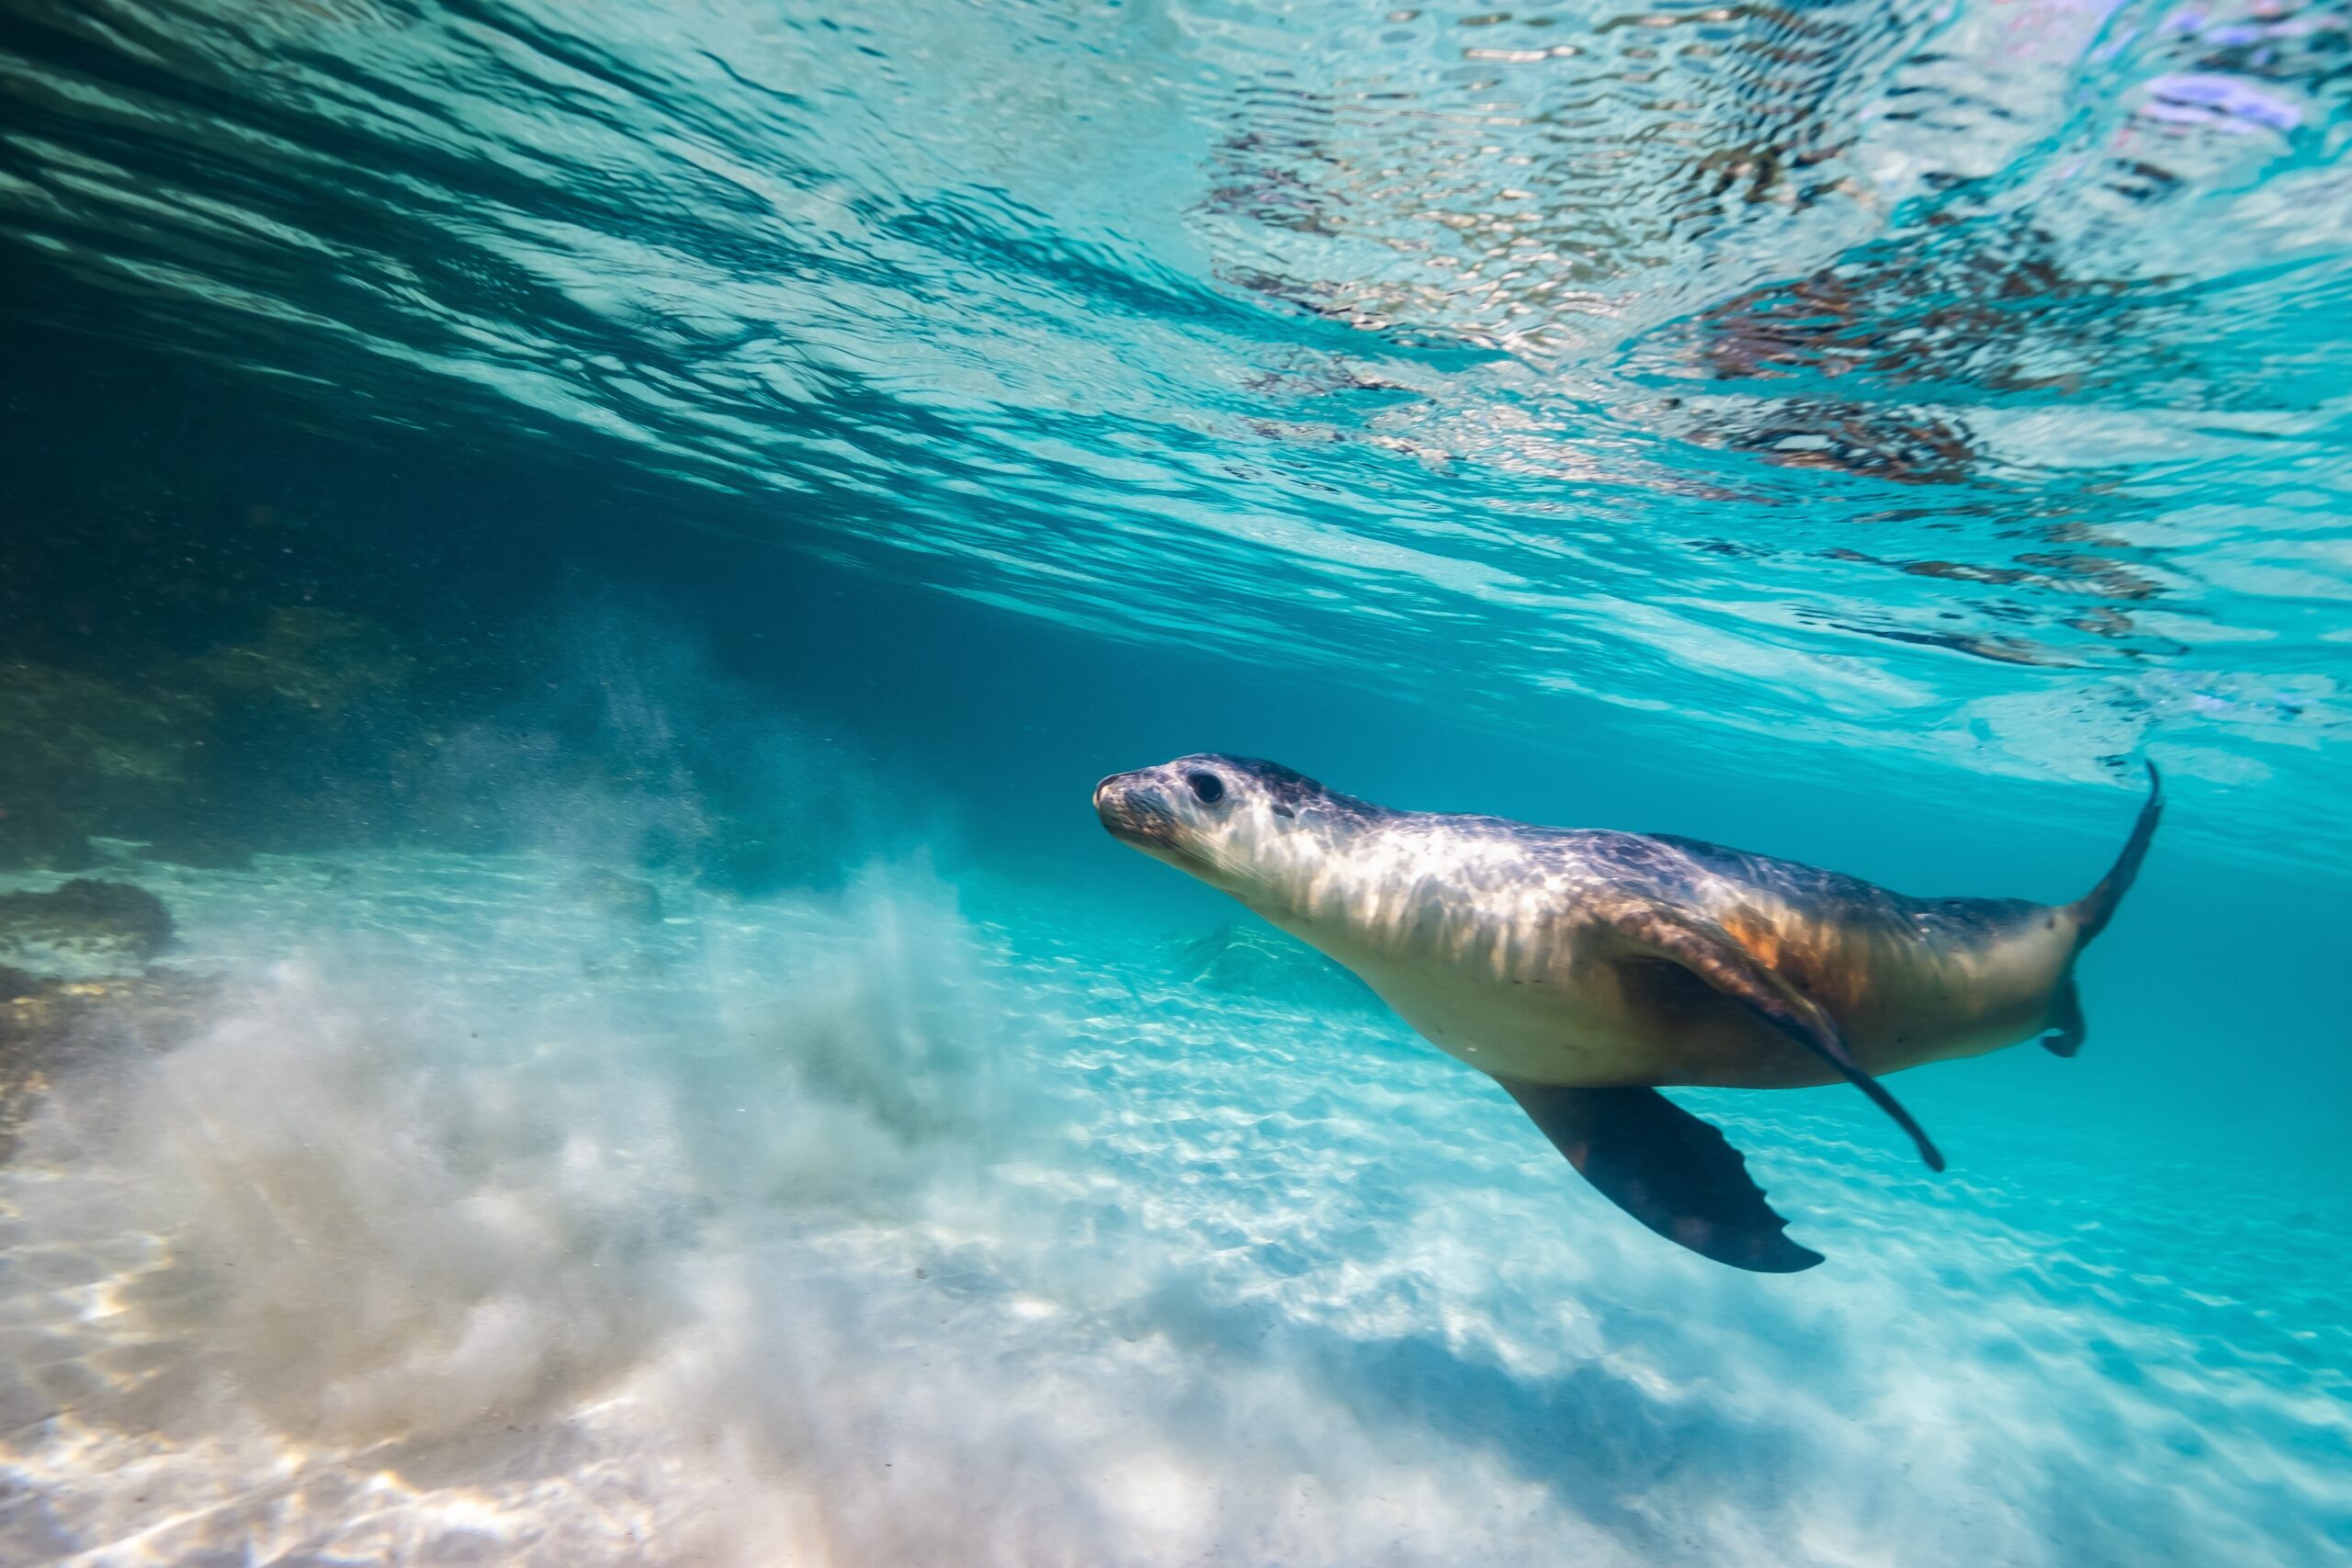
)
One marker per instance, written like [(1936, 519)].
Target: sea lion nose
[(1128, 805), (1116, 800)]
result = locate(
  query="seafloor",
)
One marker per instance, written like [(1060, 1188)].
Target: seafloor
[(496, 1208)]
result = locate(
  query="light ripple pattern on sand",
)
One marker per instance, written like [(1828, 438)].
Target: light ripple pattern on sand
[(853, 1228)]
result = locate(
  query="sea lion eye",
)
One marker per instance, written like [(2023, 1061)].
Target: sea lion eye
[(1207, 788)]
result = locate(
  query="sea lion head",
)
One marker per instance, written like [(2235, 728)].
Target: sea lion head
[(1253, 828)]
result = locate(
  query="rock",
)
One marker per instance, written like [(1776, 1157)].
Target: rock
[(49, 1027), (320, 659), (86, 918), (76, 753)]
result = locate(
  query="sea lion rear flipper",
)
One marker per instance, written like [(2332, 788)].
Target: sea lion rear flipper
[(2066, 1025), (1668, 1168), (1730, 969)]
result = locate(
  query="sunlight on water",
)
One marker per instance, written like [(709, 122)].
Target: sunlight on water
[(1841, 364), (566, 571)]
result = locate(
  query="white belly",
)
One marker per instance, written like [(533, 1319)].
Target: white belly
[(1547, 1008), (1539, 1012)]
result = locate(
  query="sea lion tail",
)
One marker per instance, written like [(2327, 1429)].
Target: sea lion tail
[(2095, 908)]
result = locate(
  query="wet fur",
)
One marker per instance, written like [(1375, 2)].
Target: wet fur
[(1503, 942), (1584, 969), (1545, 990)]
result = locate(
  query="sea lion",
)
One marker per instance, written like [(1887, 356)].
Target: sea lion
[(1584, 968)]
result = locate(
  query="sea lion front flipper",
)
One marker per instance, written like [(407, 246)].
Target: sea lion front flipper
[(1731, 969), (2066, 1024), (1670, 1170)]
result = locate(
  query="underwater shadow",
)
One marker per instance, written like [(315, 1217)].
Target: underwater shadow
[(1601, 1440)]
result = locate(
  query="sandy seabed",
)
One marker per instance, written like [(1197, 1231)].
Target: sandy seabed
[(487, 1216)]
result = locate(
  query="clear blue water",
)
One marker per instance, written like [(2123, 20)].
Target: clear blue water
[(590, 554)]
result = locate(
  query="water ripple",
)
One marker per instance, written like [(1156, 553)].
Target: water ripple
[(1966, 380)]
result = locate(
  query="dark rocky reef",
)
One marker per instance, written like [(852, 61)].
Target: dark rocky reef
[(112, 921), (190, 663), (52, 1028), (306, 727), (211, 659), (80, 754), (198, 757), (323, 661)]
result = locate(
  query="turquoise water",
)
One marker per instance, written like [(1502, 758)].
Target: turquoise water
[(590, 555)]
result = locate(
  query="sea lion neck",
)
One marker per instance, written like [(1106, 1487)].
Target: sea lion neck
[(1298, 855)]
